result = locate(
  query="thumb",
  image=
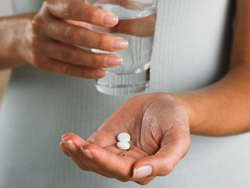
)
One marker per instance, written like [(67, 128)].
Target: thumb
[(142, 27), (164, 161)]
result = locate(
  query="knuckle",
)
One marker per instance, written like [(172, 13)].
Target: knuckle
[(67, 69), (36, 61), (37, 24), (102, 42), (85, 73), (82, 167), (145, 181), (142, 182), (167, 169), (99, 41), (122, 180), (90, 15), (95, 61), (69, 34), (68, 9), (68, 55)]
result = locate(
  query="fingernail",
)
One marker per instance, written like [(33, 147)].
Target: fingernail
[(120, 44), (110, 19), (70, 145), (62, 143), (113, 61), (87, 153), (99, 73), (64, 137), (142, 172)]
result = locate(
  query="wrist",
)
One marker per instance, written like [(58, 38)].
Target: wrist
[(196, 119), (14, 32), (21, 40), (186, 101)]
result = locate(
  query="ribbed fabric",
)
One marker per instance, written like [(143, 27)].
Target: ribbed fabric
[(191, 50)]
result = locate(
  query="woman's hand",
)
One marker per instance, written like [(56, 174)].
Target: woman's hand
[(160, 137), (50, 39), (57, 30)]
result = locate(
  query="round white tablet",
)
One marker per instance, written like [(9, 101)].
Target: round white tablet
[(123, 145), (123, 137)]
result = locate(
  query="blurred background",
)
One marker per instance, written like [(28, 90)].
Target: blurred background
[(5, 10)]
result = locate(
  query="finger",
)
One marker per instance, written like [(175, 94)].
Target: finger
[(103, 138), (79, 11), (67, 33), (76, 23), (113, 164), (73, 148), (144, 181), (142, 27), (77, 56), (75, 35), (128, 4), (55, 66), (74, 143), (77, 139), (63, 147), (164, 161)]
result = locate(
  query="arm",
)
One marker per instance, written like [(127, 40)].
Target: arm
[(160, 123), (12, 30), (223, 108), (49, 39)]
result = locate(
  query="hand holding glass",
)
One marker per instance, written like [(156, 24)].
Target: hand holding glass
[(136, 25)]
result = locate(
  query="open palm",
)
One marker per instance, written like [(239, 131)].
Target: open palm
[(160, 137)]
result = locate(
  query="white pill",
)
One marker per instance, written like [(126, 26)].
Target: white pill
[(123, 137), (123, 145)]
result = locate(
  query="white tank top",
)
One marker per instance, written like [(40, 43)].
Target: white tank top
[(191, 50)]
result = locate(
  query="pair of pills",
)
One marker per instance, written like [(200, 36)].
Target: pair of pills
[(123, 141)]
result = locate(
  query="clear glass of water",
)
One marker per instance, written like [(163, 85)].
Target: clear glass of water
[(136, 25)]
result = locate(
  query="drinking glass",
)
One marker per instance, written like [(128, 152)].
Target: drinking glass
[(136, 24)]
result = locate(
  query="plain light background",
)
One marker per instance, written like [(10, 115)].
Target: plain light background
[(5, 7), (5, 10)]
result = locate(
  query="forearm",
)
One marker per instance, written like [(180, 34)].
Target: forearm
[(223, 108), (12, 39)]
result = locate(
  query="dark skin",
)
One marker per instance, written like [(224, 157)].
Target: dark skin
[(160, 124)]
